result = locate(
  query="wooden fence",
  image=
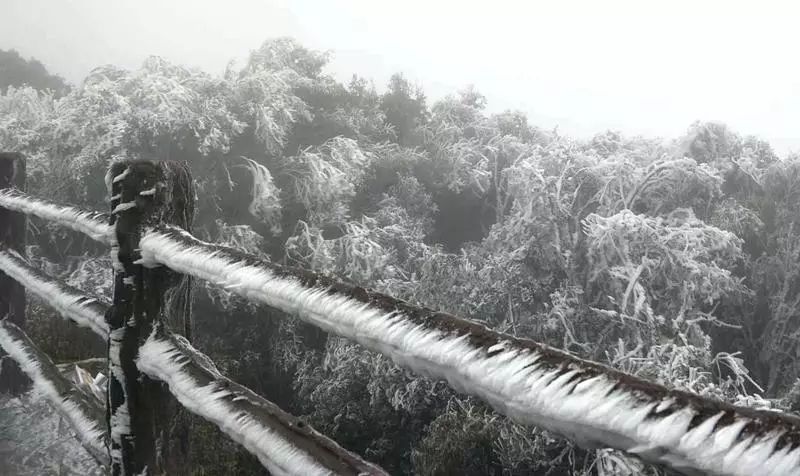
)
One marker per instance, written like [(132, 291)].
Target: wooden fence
[(155, 373)]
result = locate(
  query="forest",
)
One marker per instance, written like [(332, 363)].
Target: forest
[(677, 260)]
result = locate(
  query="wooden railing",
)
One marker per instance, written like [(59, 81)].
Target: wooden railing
[(154, 253)]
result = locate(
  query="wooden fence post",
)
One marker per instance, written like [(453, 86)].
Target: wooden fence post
[(12, 294), (144, 420)]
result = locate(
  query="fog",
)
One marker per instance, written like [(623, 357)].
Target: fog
[(578, 65), (561, 242)]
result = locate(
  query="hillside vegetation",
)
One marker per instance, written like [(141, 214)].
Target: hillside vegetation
[(676, 260)]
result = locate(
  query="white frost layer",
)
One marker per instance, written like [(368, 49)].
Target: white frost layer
[(78, 220), (86, 429), (120, 418), (160, 359), (512, 379), (72, 306)]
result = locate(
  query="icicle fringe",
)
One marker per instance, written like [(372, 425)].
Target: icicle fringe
[(84, 416), (93, 224), (282, 443), (592, 404), (70, 302)]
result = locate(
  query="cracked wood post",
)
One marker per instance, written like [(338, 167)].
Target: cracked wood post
[(148, 430), (12, 294)]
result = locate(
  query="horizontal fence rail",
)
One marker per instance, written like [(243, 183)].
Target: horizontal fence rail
[(82, 411), (93, 224), (283, 443), (590, 403), (70, 302)]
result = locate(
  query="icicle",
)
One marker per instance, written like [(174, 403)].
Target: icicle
[(124, 206), (121, 177)]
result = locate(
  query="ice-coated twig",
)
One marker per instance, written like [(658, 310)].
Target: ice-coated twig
[(590, 403)]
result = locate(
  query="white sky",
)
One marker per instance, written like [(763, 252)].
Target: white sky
[(637, 66)]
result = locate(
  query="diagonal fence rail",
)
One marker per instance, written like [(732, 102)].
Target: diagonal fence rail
[(85, 415), (69, 301), (283, 443), (589, 403), (592, 404), (92, 224)]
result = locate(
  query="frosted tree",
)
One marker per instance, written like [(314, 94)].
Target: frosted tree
[(325, 179)]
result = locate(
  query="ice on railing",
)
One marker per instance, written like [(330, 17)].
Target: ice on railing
[(85, 415), (589, 403), (70, 302), (283, 444), (35, 436), (93, 224)]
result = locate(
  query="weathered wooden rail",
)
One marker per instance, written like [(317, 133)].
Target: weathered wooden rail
[(154, 251), (134, 431)]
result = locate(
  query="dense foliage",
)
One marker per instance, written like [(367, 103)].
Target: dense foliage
[(675, 260)]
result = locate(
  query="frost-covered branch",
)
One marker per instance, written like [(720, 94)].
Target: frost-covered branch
[(587, 402), (70, 302), (283, 443), (84, 415), (93, 224)]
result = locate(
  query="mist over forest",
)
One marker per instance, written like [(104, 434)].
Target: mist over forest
[(676, 260)]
